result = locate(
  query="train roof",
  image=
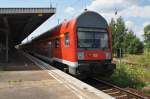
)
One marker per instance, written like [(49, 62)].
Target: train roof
[(96, 21), (91, 19)]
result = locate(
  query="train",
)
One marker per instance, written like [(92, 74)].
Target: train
[(83, 45)]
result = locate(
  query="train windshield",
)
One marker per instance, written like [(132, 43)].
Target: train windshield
[(93, 40)]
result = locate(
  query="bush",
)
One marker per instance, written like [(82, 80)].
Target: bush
[(129, 76)]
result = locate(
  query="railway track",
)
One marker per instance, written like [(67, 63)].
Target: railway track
[(113, 90)]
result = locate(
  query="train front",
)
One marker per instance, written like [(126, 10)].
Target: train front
[(94, 45)]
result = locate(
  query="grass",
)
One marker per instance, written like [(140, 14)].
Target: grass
[(131, 76), (133, 72), (147, 91), (142, 59)]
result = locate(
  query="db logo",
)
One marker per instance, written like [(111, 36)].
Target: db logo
[(95, 55), (89, 55)]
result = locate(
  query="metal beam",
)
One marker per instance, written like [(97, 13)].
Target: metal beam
[(26, 10)]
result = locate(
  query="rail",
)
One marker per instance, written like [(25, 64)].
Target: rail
[(121, 93)]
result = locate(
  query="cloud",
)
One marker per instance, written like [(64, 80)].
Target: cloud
[(146, 23), (138, 30), (107, 8), (129, 25), (70, 10), (111, 5), (139, 33), (128, 9), (137, 11)]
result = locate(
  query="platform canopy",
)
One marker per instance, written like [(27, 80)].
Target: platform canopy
[(17, 23), (20, 22)]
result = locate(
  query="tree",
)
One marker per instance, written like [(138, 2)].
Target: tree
[(147, 33), (123, 38), (132, 44), (118, 32), (127, 42), (147, 37)]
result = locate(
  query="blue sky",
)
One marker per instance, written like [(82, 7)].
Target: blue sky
[(136, 13)]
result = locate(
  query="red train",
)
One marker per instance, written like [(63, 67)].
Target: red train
[(83, 45)]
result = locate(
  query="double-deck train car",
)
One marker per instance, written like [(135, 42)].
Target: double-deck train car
[(83, 45)]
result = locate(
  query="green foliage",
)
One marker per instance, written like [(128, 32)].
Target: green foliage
[(142, 60), (129, 76), (135, 75), (147, 33), (147, 91), (123, 38), (132, 44), (118, 32), (147, 37)]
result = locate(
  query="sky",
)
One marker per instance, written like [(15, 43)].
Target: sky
[(136, 13)]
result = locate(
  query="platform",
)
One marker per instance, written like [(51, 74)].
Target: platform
[(37, 83), (32, 85)]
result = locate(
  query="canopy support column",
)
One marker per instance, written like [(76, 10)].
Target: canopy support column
[(7, 38), (7, 46)]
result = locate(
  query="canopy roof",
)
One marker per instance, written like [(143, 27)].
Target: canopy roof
[(20, 22)]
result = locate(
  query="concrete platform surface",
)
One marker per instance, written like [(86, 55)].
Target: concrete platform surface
[(32, 85), (43, 82)]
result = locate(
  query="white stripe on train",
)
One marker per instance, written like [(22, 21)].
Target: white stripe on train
[(69, 63), (72, 64)]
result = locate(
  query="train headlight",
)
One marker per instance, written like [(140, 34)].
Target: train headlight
[(108, 55), (80, 55)]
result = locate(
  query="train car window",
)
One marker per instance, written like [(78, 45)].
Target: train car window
[(57, 43), (67, 40)]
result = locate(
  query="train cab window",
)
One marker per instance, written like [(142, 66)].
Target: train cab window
[(57, 43), (93, 40), (67, 40)]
